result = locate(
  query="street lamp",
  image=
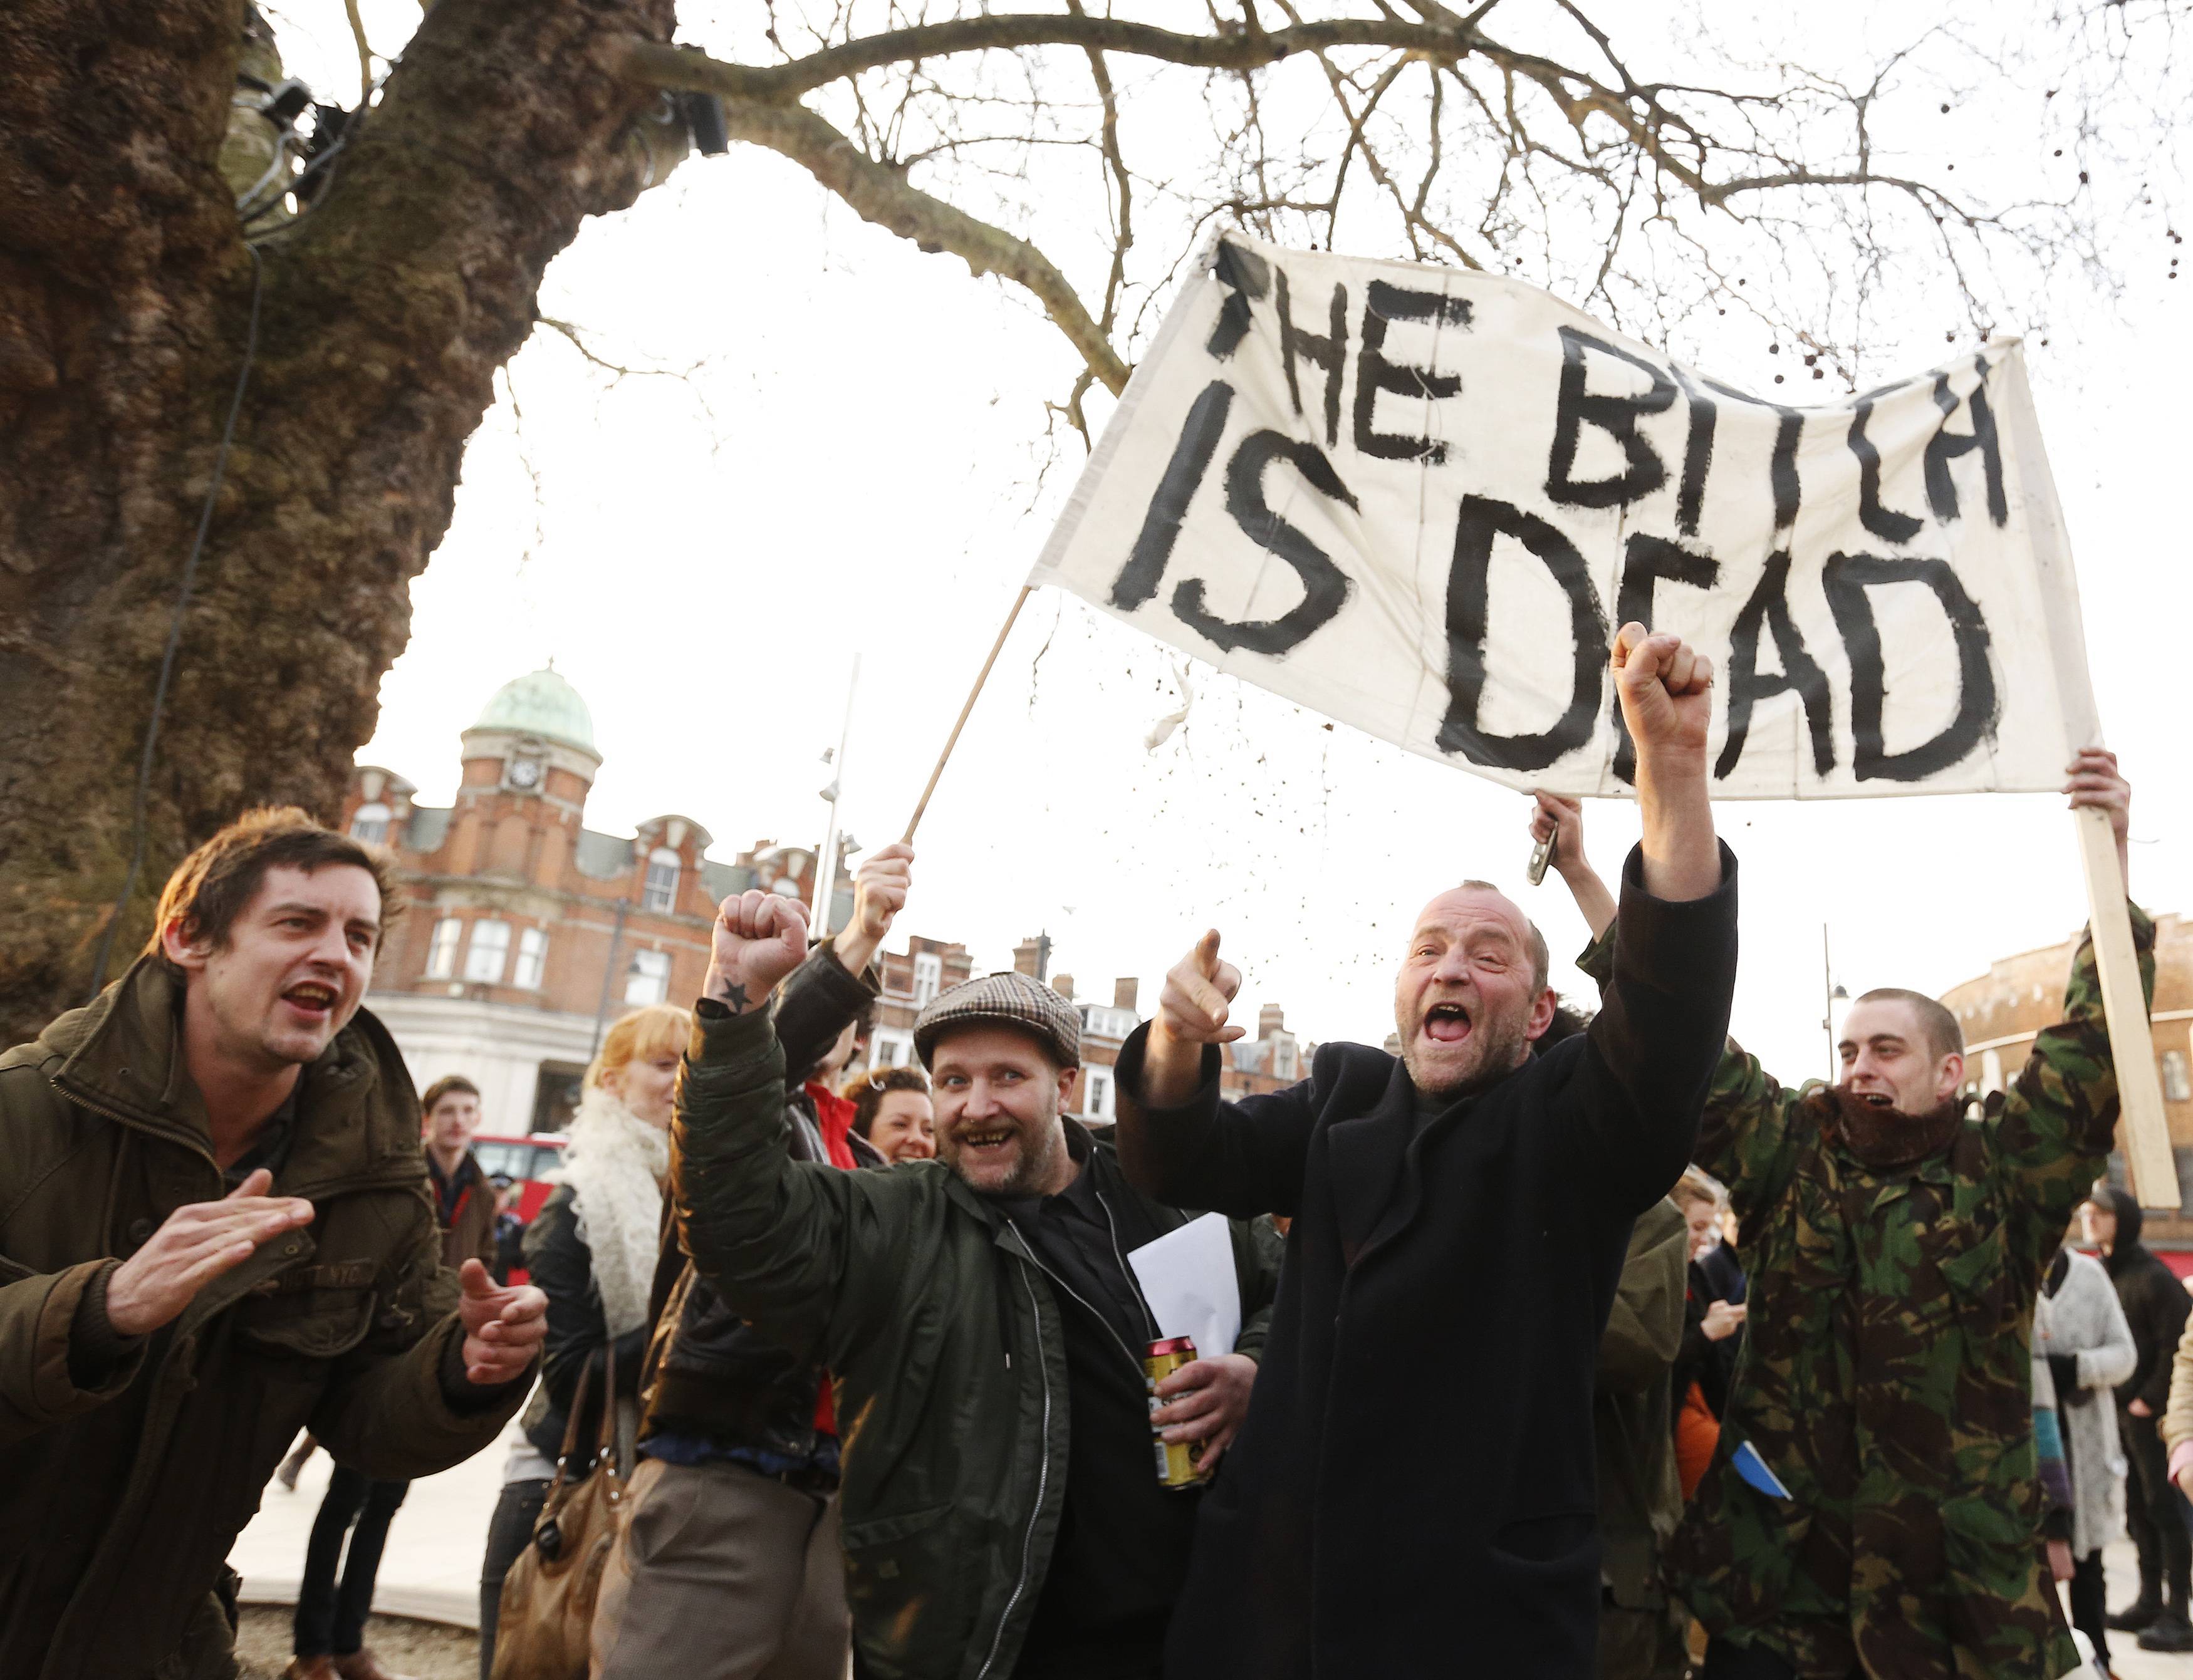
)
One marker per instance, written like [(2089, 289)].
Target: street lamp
[(1838, 1001)]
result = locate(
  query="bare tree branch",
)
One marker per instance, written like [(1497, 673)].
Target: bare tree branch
[(1248, 48), (1586, 164), (365, 52), (579, 344), (882, 194)]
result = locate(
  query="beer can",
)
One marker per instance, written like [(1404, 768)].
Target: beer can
[(1176, 1459)]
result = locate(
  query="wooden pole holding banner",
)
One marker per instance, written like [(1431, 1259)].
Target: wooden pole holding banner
[(973, 694), (2147, 1151), (2131, 1046)]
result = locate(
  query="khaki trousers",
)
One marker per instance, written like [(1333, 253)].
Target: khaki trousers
[(722, 1574)]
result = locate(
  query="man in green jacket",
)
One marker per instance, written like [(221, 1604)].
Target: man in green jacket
[(1000, 1507), (169, 1322), (1874, 1509), (1641, 1628)]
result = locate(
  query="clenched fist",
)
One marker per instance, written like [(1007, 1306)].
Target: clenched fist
[(759, 938), (1666, 690)]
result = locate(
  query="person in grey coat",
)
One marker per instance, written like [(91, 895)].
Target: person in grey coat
[(2080, 1330)]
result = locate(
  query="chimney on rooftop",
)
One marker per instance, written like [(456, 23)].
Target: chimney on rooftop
[(1032, 956), (1063, 985), (1271, 1019), (1124, 990)]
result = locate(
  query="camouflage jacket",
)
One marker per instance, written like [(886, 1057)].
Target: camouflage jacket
[(1886, 1379)]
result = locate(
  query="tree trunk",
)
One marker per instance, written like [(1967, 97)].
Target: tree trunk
[(125, 291)]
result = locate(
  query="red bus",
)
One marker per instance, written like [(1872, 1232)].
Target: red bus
[(527, 1159)]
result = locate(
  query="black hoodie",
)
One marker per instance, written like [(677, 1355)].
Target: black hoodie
[(2154, 1303)]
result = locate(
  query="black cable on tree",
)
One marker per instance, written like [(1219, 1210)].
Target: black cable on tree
[(175, 637)]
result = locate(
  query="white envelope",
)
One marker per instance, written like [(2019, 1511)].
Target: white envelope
[(1187, 1279)]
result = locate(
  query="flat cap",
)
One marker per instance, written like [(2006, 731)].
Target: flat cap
[(1008, 998)]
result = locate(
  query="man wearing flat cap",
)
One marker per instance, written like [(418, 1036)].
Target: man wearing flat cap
[(1003, 1515)]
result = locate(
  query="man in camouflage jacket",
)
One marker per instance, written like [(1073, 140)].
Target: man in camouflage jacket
[(1895, 1250)]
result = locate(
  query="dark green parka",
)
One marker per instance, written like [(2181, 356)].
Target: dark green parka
[(945, 1337), (1640, 1498), (119, 1503)]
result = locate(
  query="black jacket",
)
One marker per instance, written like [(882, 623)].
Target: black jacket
[(708, 1372), (1713, 1277), (1386, 1508), (2155, 1302), (562, 1266)]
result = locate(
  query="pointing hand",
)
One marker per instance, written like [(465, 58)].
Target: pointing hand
[(504, 1327), (1193, 1008)]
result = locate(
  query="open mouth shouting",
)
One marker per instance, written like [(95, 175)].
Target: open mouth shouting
[(312, 1002), (1446, 1023)]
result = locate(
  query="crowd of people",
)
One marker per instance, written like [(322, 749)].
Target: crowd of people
[(1750, 1381)]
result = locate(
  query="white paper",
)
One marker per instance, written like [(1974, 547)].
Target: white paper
[(1187, 1279), (1420, 499)]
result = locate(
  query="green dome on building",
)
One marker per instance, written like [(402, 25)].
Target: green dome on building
[(541, 703)]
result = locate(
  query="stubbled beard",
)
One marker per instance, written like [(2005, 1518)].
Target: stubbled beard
[(1500, 1049), (1029, 1172)]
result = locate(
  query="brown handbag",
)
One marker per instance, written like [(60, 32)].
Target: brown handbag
[(544, 1631)]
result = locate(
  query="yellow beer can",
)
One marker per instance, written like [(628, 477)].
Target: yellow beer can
[(1176, 1459)]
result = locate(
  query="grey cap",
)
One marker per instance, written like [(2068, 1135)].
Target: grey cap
[(1008, 998)]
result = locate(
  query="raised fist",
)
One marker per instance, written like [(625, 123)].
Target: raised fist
[(1198, 989), (1666, 690), (879, 889), (759, 938)]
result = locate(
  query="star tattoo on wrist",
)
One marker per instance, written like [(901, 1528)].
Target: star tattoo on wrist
[(734, 995)]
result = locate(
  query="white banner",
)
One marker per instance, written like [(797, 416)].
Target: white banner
[(1420, 500)]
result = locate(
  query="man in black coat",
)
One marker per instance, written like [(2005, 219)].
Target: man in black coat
[(1413, 1492), (2155, 1306)]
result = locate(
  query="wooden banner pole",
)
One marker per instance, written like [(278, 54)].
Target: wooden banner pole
[(2132, 1045), (973, 694)]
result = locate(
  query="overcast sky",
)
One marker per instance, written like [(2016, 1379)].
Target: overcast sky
[(861, 464)]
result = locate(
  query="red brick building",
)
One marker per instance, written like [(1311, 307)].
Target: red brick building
[(1274, 1060), (526, 932), (2005, 1010)]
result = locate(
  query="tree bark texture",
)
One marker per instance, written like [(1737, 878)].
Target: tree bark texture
[(125, 287)]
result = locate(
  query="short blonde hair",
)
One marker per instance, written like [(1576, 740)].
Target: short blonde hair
[(1695, 1186), (658, 1029)]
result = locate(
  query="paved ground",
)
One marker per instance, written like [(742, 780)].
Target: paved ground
[(2127, 1660), (418, 1650), (432, 1568), (431, 1572)]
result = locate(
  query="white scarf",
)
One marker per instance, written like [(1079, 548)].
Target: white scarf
[(615, 1164)]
